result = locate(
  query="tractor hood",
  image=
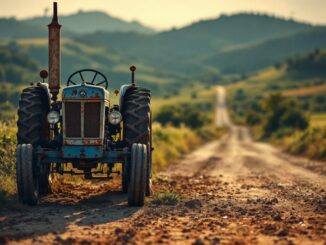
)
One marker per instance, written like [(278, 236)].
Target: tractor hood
[(85, 92)]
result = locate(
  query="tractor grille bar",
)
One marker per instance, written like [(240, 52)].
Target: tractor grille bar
[(92, 113), (73, 119), (82, 114)]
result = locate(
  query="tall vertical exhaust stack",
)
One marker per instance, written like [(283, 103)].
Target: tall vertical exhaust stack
[(54, 54)]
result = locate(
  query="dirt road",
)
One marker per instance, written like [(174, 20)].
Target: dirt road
[(233, 191)]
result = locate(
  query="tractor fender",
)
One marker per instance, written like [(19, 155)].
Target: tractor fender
[(123, 90), (46, 89)]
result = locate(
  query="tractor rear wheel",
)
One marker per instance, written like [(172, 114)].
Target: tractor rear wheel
[(138, 173), (33, 127), (137, 126), (27, 175)]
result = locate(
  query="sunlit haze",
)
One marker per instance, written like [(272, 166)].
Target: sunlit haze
[(171, 13)]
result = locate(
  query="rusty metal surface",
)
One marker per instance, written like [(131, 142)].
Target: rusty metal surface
[(54, 54)]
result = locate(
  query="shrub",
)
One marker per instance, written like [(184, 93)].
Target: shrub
[(182, 114), (311, 142), (281, 112), (253, 118)]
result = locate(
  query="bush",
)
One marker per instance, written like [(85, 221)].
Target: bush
[(183, 114), (281, 112), (253, 118), (311, 143)]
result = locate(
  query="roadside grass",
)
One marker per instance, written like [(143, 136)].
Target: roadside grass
[(243, 96), (310, 143), (170, 143), (165, 198), (318, 120), (8, 187)]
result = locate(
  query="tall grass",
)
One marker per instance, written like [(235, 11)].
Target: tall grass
[(7, 162), (310, 143), (169, 142)]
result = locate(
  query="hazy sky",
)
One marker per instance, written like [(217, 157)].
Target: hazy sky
[(164, 14)]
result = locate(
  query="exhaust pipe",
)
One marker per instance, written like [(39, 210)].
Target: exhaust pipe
[(54, 54)]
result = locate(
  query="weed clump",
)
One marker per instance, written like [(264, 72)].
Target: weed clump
[(166, 198)]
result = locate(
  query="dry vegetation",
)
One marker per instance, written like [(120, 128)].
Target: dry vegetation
[(295, 83), (170, 143)]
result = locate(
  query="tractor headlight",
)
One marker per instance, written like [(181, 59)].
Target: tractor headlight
[(115, 117), (53, 117)]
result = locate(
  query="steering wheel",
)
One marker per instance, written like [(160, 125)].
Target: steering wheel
[(102, 81)]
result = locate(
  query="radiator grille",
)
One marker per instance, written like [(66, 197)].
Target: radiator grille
[(92, 117), (73, 119)]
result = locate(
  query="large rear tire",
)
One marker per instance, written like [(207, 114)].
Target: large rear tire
[(137, 124), (27, 175), (138, 172), (33, 127)]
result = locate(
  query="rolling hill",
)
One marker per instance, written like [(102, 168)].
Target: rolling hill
[(205, 51), (288, 78), (89, 22), (28, 56), (259, 55), (185, 49), (79, 23), (12, 28)]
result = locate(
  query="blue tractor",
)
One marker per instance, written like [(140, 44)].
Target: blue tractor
[(83, 129)]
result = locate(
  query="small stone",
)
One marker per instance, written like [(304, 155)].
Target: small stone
[(283, 232), (193, 204), (216, 240), (198, 242), (173, 183), (58, 239), (277, 217), (186, 230), (117, 230)]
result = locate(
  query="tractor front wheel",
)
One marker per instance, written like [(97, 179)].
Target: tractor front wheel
[(138, 173), (27, 175), (137, 124)]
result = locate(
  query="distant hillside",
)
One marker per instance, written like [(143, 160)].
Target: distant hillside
[(16, 65), (79, 23), (205, 51), (21, 61), (257, 56), (89, 22), (11, 28), (310, 65), (302, 77), (183, 49)]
